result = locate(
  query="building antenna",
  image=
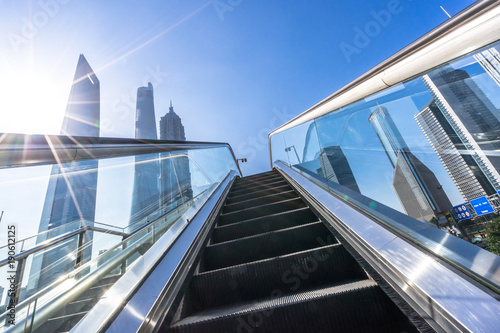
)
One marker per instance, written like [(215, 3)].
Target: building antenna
[(445, 11)]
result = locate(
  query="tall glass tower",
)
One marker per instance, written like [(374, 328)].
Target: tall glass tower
[(462, 168), (71, 193), (472, 117), (145, 197), (416, 186)]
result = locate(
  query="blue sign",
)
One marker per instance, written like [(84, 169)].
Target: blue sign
[(482, 206), (462, 212)]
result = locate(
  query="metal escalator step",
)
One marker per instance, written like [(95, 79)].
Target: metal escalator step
[(263, 224), (268, 245), (261, 175), (355, 307), (290, 273), (261, 200), (260, 211), (252, 195), (257, 181), (253, 188)]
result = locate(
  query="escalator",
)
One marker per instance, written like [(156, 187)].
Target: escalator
[(271, 265)]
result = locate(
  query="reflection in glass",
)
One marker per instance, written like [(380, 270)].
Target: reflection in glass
[(416, 186), (471, 114), (420, 147)]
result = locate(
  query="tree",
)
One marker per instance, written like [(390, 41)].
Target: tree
[(494, 236)]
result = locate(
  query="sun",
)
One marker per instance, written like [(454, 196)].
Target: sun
[(32, 103)]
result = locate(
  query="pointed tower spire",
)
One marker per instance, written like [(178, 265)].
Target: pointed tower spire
[(83, 110)]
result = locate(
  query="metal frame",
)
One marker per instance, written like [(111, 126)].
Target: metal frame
[(448, 299), (140, 300), (29, 150), (474, 27)]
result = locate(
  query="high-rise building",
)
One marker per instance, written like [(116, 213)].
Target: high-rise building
[(171, 127), (145, 121), (416, 186), (145, 197), (462, 168), (490, 60), (71, 193), (472, 117), (335, 167), (175, 183)]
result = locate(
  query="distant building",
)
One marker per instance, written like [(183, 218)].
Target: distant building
[(71, 192), (472, 117), (145, 121), (462, 168), (171, 127), (175, 183), (145, 197), (335, 167), (416, 186)]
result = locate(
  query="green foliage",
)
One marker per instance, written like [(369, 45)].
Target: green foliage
[(494, 236)]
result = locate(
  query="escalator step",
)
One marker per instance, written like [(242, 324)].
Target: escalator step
[(355, 307), (252, 195), (254, 182), (260, 211), (268, 245), (253, 188), (295, 272), (260, 175), (263, 224), (261, 200)]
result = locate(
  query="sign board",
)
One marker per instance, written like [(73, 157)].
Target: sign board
[(482, 206), (462, 212)]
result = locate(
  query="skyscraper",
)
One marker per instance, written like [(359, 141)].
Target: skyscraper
[(462, 168), (416, 186), (145, 197), (175, 184), (145, 121), (472, 117), (71, 193), (490, 60), (335, 167)]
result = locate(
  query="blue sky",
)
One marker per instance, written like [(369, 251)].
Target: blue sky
[(235, 69)]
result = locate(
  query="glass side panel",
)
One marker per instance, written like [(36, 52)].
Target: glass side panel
[(134, 197), (421, 155)]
